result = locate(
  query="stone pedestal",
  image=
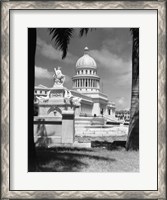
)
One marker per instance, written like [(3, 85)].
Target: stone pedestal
[(58, 119), (68, 129)]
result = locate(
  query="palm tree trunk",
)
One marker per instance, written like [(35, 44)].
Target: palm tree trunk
[(32, 163), (133, 134)]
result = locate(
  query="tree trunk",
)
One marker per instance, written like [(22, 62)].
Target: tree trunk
[(133, 134), (32, 162)]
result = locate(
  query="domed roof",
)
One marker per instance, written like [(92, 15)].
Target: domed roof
[(86, 61)]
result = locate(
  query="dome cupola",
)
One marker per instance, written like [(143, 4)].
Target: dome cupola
[(86, 79), (86, 61)]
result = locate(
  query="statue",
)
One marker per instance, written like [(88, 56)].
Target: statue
[(43, 98), (59, 78), (69, 98)]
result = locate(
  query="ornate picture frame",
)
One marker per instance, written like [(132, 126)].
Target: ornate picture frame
[(6, 193)]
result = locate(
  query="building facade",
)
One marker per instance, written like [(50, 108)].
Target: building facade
[(123, 115), (86, 85)]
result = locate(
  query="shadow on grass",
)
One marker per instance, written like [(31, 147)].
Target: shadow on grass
[(59, 160), (70, 149), (116, 145)]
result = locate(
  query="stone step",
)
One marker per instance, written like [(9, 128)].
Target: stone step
[(101, 131)]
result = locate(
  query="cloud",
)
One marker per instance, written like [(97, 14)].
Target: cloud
[(51, 53), (42, 73), (121, 101), (121, 48), (67, 78), (110, 60), (115, 66)]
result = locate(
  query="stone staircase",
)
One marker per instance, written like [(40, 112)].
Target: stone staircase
[(95, 127), (95, 131)]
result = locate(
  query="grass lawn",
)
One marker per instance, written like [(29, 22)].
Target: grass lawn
[(65, 159)]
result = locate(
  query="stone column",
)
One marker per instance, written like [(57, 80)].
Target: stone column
[(68, 130)]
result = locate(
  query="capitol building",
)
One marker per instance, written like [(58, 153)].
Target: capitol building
[(86, 85)]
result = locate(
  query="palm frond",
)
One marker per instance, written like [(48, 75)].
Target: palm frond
[(61, 37), (83, 31)]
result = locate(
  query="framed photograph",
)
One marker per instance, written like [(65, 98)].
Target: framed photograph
[(83, 100)]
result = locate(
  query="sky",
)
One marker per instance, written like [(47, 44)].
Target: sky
[(111, 48)]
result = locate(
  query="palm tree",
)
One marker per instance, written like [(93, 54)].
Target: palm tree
[(61, 37), (133, 134)]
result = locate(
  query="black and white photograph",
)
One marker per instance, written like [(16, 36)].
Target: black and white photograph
[(75, 76), (83, 99)]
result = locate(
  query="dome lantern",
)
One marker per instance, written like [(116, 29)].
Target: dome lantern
[(86, 51)]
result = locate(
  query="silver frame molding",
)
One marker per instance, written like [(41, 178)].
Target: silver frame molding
[(160, 6)]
